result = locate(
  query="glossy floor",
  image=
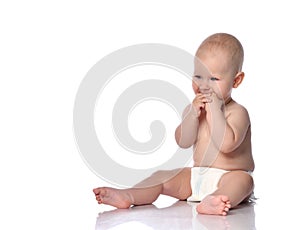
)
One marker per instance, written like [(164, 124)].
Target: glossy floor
[(178, 215)]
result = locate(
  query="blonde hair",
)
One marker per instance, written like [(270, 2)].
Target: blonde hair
[(227, 43)]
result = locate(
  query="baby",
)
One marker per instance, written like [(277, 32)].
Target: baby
[(219, 130)]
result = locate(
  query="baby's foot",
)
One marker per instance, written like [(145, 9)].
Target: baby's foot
[(114, 197), (214, 205)]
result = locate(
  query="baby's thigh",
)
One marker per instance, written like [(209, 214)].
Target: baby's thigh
[(236, 179), (179, 186)]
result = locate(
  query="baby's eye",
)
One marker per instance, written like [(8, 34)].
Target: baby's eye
[(214, 79), (198, 76)]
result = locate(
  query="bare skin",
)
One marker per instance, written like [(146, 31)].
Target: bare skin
[(214, 205), (178, 187), (113, 197), (219, 130)]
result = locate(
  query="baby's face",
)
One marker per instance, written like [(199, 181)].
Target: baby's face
[(212, 73)]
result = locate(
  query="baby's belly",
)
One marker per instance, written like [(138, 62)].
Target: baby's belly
[(241, 161)]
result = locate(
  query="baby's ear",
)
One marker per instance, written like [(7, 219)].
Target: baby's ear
[(239, 77)]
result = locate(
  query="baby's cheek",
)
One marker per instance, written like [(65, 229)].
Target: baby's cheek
[(217, 90), (195, 87)]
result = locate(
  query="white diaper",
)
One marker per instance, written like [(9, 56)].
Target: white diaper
[(204, 181)]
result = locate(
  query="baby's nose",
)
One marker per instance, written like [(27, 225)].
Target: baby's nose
[(204, 87)]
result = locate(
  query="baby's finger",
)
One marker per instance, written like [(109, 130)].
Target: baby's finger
[(208, 94), (205, 98)]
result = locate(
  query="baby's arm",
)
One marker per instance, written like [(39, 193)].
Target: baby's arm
[(186, 133), (227, 133)]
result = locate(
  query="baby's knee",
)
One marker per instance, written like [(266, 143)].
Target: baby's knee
[(240, 177), (246, 180), (162, 175), (165, 175)]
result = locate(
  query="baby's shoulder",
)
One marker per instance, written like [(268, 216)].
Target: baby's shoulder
[(236, 105), (237, 109)]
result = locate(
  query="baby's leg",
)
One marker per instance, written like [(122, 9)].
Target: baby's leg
[(124, 198), (178, 187), (233, 188)]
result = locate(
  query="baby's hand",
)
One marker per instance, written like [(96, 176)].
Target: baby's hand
[(199, 103), (215, 103)]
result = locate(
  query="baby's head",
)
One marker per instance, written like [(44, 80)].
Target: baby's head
[(218, 64), (226, 45)]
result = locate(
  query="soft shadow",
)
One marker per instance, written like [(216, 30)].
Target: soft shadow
[(180, 215)]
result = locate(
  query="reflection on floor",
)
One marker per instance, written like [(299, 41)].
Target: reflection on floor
[(179, 215)]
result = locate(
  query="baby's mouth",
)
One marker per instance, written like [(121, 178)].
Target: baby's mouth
[(206, 91)]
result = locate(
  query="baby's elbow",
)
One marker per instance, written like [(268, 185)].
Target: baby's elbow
[(230, 144), (183, 141), (183, 144), (228, 147)]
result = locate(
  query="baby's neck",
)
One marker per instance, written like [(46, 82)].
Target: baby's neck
[(228, 100)]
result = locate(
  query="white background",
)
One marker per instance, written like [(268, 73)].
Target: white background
[(47, 48)]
